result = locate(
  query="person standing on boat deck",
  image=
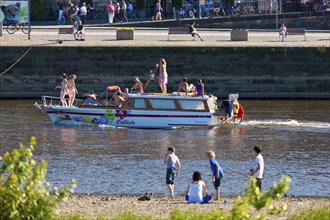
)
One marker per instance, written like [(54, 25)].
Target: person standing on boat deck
[(118, 99), (194, 193), (258, 170), (163, 76), (138, 85), (184, 86), (217, 173), (125, 94), (64, 89), (72, 90), (199, 87), (173, 167)]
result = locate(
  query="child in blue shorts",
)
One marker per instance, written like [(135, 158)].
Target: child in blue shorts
[(172, 168), (216, 171)]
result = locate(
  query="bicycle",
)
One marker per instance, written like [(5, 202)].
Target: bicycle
[(11, 28)]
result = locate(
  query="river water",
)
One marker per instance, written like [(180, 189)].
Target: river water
[(295, 136)]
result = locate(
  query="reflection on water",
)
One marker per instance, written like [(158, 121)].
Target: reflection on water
[(117, 160)]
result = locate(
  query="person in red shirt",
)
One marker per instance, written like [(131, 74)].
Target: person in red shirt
[(240, 114), (111, 12)]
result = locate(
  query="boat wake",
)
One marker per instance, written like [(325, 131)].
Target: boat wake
[(310, 126)]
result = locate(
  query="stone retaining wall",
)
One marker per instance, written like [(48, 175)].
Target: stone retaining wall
[(252, 72)]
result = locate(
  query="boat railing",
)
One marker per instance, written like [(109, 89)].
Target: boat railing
[(53, 100)]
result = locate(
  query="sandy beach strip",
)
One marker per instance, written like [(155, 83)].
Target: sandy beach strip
[(92, 206)]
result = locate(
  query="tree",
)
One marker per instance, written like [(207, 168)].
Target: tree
[(24, 191)]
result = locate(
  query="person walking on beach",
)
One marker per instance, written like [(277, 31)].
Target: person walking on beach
[(64, 89), (258, 170), (216, 171), (173, 167), (194, 193), (163, 76), (193, 31)]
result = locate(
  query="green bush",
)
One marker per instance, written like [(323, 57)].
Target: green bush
[(37, 9), (312, 214), (24, 191)]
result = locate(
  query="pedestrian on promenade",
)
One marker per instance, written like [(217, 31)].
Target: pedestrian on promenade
[(163, 76), (258, 170), (60, 10), (158, 8), (111, 12), (173, 167), (64, 89), (193, 31), (282, 31), (195, 189), (117, 17), (124, 11), (216, 171), (83, 12)]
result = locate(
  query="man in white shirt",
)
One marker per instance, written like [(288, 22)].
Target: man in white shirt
[(258, 170)]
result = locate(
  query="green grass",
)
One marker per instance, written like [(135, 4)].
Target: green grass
[(312, 214)]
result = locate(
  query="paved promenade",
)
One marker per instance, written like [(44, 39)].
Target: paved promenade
[(158, 37)]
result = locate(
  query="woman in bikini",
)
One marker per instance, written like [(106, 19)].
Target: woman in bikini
[(138, 85), (163, 77), (64, 89), (72, 90)]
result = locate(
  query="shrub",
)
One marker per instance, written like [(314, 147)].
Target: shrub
[(24, 191), (310, 214)]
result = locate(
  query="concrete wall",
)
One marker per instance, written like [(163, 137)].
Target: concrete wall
[(252, 72)]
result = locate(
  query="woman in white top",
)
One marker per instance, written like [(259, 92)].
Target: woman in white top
[(194, 193)]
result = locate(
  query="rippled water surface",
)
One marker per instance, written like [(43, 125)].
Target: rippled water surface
[(295, 137)]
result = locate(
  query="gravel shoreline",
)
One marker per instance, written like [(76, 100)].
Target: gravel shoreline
[(92, 206)]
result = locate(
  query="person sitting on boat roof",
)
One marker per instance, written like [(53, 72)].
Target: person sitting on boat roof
[(184, 86), (138, 85), (118, 99), (125, 94), (199, 88), (91, 94)]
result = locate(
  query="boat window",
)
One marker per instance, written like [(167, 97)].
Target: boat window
[(162, 104), (192, 104), (139, 103)]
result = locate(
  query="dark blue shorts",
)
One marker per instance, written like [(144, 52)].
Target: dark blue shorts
[(170, 174), (217, 183)]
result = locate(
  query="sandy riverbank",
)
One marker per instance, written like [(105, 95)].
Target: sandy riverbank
[(159, 206)]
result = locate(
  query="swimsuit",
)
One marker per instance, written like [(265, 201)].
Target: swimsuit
[(163, 78)]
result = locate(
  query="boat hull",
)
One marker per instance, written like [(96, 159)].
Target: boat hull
[(129, 118)]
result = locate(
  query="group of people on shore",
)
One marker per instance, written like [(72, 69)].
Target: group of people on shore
[(196, 190)]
